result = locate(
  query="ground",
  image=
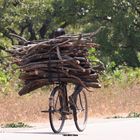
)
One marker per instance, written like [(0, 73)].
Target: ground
[(108, 101)]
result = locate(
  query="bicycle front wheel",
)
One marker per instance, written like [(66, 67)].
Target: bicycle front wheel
[(56, 115), (81, 111)]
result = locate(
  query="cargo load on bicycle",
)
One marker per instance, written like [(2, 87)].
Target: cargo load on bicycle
[(61, 59)]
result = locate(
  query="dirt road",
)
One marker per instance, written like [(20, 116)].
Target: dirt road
[(102, 129)]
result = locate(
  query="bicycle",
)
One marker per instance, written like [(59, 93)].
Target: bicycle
[(60, 106)]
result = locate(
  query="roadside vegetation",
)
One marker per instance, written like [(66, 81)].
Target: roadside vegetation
[(130, 115), (15, 125)]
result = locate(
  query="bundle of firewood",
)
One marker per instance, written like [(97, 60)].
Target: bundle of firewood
[(62, 59)]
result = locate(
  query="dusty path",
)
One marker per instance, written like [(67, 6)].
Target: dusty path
[(103, 129)]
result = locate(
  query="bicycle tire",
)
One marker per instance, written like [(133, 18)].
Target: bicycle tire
[(80, 112), (56, 98)]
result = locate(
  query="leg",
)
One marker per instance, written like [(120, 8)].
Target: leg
[(77, 89), (73, 97)]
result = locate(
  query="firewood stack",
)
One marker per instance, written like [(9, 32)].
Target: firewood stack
[(62, 59)]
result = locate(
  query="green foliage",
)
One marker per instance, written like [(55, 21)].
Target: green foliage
[(93, 55), (119, 40), (121, 75), (36, 19), (133, 115), (130, 115), (3, 77), (16, 125)]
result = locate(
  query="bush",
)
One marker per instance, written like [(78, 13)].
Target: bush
[(121, 75)]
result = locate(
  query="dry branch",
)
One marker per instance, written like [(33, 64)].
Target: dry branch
[(62, 59)]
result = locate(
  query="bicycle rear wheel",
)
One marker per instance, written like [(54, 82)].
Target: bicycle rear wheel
[(56, 116), (81, 111)]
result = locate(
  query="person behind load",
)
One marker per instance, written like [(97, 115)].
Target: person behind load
[(77, 88)]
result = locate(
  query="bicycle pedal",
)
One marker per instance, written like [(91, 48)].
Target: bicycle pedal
[(66, 112), (67, 117)]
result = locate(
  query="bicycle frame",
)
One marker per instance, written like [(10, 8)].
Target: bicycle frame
[(63, 86)]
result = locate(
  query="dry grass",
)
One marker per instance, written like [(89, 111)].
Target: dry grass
[(114, 100), (27, 108), (104, 102)]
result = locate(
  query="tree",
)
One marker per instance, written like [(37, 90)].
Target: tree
[(36, 19), (120, 37)]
